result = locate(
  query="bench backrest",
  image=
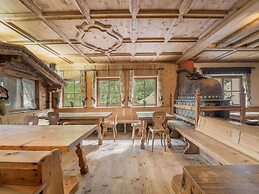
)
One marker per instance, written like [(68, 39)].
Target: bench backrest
[(30, 168), (241, 137)]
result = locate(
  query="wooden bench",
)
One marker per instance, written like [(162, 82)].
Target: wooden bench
[(27, 172), (226, 142)]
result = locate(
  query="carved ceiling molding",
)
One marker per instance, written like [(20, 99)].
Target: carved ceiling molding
[(99, 37)]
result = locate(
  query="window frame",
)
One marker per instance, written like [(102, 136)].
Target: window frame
[(97, 92), (63, 94), (222, 77), (21, 96), (156, 91)]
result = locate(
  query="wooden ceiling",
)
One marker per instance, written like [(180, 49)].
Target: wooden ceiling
[(100, 31)]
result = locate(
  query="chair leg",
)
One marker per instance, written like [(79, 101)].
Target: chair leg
[(161, 138), (125, 128), (165, 138), (148, 137), (114, 133), (104, 131), (133, 135), (153, 138)]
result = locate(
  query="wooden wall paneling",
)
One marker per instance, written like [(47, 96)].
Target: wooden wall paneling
[(89, 86)]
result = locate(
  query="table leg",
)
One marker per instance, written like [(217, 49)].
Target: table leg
[(144, 133), (100, 136), (125, 128), (81, 160)]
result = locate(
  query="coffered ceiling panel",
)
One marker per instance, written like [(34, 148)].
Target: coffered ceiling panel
[(37, 29), (12, 6), (6, 34), (62, 49), (56, 5), (154, 4), (191, 27), (167, 58), (154, 27), (210, 55), (69, 26), (239, 55), (121, 26), (108, 4), (213, 4)]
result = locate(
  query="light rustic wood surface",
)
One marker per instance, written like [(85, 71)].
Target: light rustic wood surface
[(80, 115), (222, 179), (120, 168), (149, 115), (38, 137)]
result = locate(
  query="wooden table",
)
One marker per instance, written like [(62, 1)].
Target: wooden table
[(92, 117), (46, 138), (221, 179), (147, 117)]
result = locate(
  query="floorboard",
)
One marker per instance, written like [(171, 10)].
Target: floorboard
[(120, 168)]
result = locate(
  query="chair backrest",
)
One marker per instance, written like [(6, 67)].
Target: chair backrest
[(159, 119), (30, 120), (116, 117), (53, 118)]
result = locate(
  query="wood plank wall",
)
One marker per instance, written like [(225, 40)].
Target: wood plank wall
[(169, 77)]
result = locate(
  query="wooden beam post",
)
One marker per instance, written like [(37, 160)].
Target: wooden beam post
[(197, 106), (242, 106)]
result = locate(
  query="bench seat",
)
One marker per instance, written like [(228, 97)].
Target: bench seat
[(221, 152)]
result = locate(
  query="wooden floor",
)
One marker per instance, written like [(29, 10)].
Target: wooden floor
[(120, 168)]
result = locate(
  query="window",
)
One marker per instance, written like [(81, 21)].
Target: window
[(108, 90), (21, 93), (72, 94), (232, 87), (145, 92)]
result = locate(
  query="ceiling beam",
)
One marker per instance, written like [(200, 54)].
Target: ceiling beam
[(239, 34), (84, 9), (251, 38), (227, 26), (254, 44), (111, 14), (134, 7), (36, 10)]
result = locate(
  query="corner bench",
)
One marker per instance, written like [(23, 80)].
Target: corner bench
[(33, 172), (228, 143), (221, 152)]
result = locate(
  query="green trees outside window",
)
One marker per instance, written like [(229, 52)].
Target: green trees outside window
[(145, 92), (72, 94), (108, 92)]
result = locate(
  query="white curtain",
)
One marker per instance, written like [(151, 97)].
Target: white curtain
[(29, 93), (83, 86), (131, 88), (247, 87), (122, 89), (94, 100), (159, 88)]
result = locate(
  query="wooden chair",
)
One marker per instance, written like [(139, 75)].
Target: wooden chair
[(31, 120), (53, 118), (159, 128), (111, 124), (136, 126), (34, 172)]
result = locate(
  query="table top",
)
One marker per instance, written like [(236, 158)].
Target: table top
[(43, 138), (225, 179), (149, 115), (81, 115)]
